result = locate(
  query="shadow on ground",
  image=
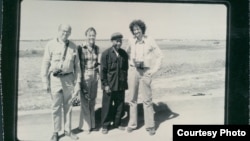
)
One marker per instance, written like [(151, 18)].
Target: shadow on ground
[(162, 113)]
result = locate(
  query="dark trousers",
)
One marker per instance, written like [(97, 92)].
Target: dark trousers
[(112, 108)]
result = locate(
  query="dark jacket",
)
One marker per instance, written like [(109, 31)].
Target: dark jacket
[(114, 70)]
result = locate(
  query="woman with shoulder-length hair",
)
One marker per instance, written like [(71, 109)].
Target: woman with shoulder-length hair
[(88, 54)]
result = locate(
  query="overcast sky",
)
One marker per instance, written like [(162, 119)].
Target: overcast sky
[(40, 19)]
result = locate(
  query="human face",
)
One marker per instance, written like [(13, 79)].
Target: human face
[(117, 43), (137, 32), (91, 35), (64, 32)]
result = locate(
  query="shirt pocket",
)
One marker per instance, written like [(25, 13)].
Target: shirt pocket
[(149, 49)]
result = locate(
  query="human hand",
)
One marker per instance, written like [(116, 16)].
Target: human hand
[(149, 74), (87, 96), (75, 97), (77, 87), (97, 77), (137, 65), (76, 101), (107, 90), (46, 88)]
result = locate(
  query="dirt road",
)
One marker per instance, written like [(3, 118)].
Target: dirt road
[(204, 109)]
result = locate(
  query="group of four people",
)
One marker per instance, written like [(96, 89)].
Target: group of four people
[(69, 70)]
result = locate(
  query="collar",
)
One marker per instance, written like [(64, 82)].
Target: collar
[(115, 51), (85, 46), (144, 37), (61, 42)]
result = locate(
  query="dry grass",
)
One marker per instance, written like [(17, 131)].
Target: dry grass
[(188, 68)]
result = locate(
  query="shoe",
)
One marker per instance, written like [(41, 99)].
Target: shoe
[(105, 131), (94, 129), (129, 129), (151, 131), (86, 132), (78, 130), (121, 128), (71, 135), (54, 137)]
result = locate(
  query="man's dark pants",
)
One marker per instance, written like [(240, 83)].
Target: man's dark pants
[(112, 108)]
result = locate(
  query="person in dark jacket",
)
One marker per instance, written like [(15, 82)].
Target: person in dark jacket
[(114, 71)]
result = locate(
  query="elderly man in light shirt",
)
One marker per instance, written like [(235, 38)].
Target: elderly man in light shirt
[(61, 78), (145, 60)]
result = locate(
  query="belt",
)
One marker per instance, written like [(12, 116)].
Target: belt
[(64, 74), (91, 69)]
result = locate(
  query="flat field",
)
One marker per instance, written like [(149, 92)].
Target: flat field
[(189, 68)]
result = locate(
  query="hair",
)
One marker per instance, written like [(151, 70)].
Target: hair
[(90, 29), (60, 26), (139, 23)]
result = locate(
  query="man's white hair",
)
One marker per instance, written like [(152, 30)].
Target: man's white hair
[(64, 25)]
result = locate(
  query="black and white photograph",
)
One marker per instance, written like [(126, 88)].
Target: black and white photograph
[(108, 71)]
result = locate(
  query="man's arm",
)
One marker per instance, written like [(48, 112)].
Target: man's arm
[(104, 70), (81, 59), (77, 72), (97, 65), (104, 73), (45, 68), (131, 52), (157, 57)]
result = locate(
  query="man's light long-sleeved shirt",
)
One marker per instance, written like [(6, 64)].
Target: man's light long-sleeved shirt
[(52, 60), (146, 51)]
